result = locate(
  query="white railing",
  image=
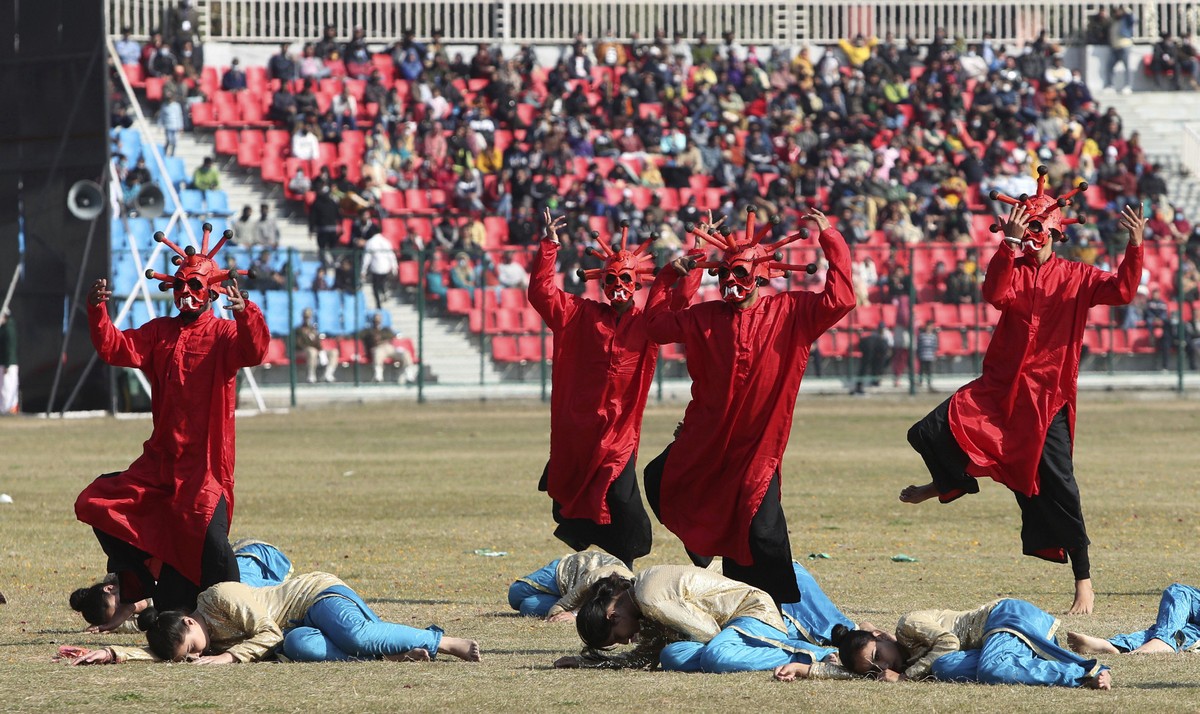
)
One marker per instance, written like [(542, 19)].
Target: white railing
[(1191, 148), (762, 22)]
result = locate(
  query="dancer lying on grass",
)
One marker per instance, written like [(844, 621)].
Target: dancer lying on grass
[(673, 611), (259, 564), (1003, 642), (555, 591), (1177, 629), (236, 623)]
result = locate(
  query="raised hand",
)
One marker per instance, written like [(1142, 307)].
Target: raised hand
[(818, 218), (99, 292), (1016, 225), (553, 225), (683, 264), (236, 298), (1133, 222)]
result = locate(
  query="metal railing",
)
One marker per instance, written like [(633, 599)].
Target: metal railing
[(762, 22)]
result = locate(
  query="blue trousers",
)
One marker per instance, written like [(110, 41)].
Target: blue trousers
[(747, 644), (340, 627), (1178, 622), (262, 564), (534, 594), (1018, 648)]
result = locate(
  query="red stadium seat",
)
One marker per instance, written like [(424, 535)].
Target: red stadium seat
[(458, 301)]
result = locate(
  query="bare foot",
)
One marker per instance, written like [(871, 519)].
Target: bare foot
[(460, 648), (1154, 646), (917, 494), (1086, 644), (414, 655), (1100, 681), (1085, 599)]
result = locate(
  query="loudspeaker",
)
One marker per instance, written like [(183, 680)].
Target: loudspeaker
[(85, 200), (55, 137), (150, 202)]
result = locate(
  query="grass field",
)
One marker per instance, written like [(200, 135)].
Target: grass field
[(393, 498)]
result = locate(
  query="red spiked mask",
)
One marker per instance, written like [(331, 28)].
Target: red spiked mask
[(745, 264), (1046, 221), (198, 278), (623, 268)]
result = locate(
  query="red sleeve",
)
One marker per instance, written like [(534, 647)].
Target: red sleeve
[(128, 348), (556, 307), (998, 283), (253, 337), (665, 320), (1117, 288), (682, 293), (823, 310)]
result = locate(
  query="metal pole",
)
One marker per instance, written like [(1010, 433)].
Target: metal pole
[(358, 345), (421, 286), (1180, 327), (480, 291), (912, 327), (291, 343)]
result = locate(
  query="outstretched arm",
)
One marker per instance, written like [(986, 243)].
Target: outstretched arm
[(253, 337), (836, 300), (1119, 288), (128, 348), (555, 306), (998, 289)]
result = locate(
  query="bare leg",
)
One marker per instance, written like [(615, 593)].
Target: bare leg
[(918, 494), (1154, 646), (418, 654), (1086, 644), (463, 649), (1085, 599), (1100, 681)]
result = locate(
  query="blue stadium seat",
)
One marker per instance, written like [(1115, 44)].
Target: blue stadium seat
[(329, 313), (192, 202), (277, 312), (176, 170), (217, 203)]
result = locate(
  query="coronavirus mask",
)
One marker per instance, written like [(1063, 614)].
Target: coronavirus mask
[(1044, 213), (198, 280), (745, 264), (623, 268)]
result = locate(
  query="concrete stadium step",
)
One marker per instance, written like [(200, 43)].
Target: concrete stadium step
[(453, 355)]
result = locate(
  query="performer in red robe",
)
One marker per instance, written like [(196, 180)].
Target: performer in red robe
[(1015, 424), (604, 363), (717, 486), (173, 506)]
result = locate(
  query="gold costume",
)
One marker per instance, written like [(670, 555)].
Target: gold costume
[(929, 634)]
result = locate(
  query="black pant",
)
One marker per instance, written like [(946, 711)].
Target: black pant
[(379, 286), (1052, 525), (627, 535), (770, 548), (172, 590)]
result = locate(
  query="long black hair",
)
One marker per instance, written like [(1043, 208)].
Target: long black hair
[(164, 631), (90, 601), (850, 644), (591, 621)]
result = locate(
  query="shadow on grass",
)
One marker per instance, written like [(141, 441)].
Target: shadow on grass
[(410, 601), (1164, 685)]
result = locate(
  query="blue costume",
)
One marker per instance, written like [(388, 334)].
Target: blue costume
[(261, 564), (561, 585), (1018, 647), (340, 627), (748, 644), (534, 594), (1178, 622)]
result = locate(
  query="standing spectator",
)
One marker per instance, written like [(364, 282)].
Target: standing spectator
[(282, 66), (234, 79), (307, 340), (9, 383), (380, 264), (927, 351), (377, 340), (206, 177), (324, 219), (171, 119), (182, 24), (1120, 39), (266, 231), (128, 51), (363, 229), (243, 227)]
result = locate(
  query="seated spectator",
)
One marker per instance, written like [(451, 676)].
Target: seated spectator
[(234, 79), (266, 230), (283, 109), (307, 340), (206, 177), (243, 227), (266, 276), (377, 340), (305, 144), (128, 50), (510, 273), (364, 228), (345, 108), (282, 66), (311, 66), (961, 288), (300, 183), (329, 128)]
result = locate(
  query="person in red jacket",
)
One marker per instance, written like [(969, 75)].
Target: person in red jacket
[(170, 511), (717, 486), (1015, 424), (604, 363)]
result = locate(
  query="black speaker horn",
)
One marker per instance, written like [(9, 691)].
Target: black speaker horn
[(150, 202)]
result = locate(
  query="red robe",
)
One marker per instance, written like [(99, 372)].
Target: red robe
[(164, 501), (603, 366), (746, 367), (1031, 368)]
